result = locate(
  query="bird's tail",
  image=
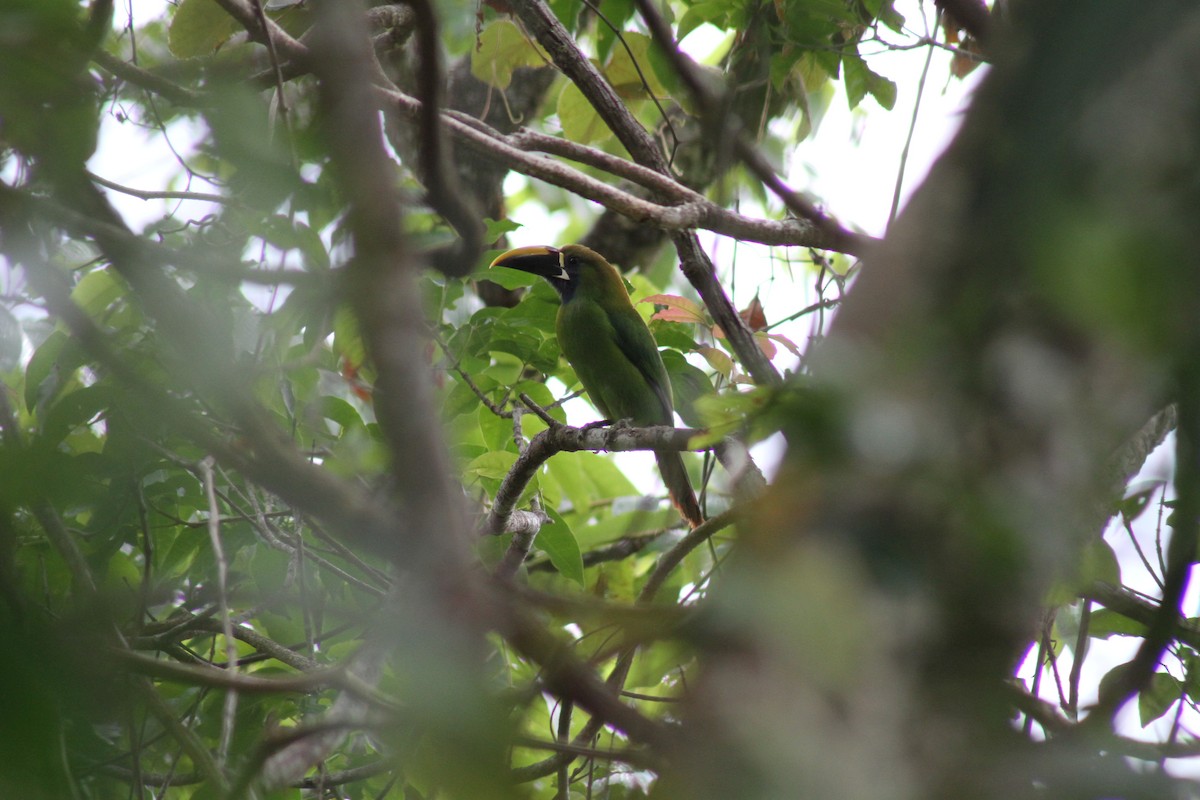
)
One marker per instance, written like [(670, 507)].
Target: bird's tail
[(679, 485)]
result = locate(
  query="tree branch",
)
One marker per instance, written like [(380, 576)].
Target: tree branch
[(563, 438)]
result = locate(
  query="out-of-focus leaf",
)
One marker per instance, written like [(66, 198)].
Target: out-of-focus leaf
[(341, 412), (1156, 699), (1105, 622), (10, 340), (198, 28)]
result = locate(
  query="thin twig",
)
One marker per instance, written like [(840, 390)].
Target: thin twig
[(229, 713)]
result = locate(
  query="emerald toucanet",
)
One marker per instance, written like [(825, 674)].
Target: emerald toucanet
[(613, 353)]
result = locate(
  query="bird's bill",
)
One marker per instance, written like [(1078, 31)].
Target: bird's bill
[(539, 260)]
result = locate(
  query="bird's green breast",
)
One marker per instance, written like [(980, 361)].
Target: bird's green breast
[(616, 358)]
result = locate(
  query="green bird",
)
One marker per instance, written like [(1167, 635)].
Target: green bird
[(613, 353)]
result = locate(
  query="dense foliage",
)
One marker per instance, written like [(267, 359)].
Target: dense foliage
[(289, 505)]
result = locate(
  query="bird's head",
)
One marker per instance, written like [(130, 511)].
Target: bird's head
[(567, 269)]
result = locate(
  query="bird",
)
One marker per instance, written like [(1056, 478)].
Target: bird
[(610, 348)]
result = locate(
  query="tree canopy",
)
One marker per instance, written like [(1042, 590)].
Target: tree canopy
[(289, 501)]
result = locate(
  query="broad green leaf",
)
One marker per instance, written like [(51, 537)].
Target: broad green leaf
[(505, 276), (617, 14), (1099, 563), (494, 464), (605, 478), (98, 290), (497, 431), (42, 367), (580, 122), (1131, 507), (497, 228), (883, 90), (508, 366), (501, 49), (557, 541), (688, 384), (717, 13), (1157, 698), (630, 71), (181, 554), (340, 411), (75, 408), (199, 28), (567, 472), (855, 78), (1105, 622), (861, 80)]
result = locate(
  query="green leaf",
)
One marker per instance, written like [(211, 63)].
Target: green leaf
[(500, 50), (199, 28), (494, 464), (713, 12), (856, 79), (340, 411), (558, 542), (861, 80), (497, 431), (580, 122), (688, 385), (616, 14), (289, 234), (98, 290), (497, 228), (1131, 507), (630, 71), (505, 276), (1099, 563), (605, 477), (41, 369), (567, 472), (883, 90), (76, 408), (1157, 698), (1105, 622)]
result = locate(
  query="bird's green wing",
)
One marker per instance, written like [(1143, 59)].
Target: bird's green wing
[(634, 339)]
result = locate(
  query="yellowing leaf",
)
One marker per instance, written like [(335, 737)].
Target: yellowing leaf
[(717, 359)]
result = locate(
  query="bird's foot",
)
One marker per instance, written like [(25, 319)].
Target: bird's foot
[(600, 423)]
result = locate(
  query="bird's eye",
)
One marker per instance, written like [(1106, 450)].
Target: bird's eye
[(573, 260)]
